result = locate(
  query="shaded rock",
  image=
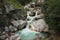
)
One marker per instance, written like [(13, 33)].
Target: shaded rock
[(19, 23), (9, 8), (6, 29), (11, 28), (18, 14)]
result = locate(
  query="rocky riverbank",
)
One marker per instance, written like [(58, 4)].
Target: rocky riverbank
[(35, 24), (25, 26)]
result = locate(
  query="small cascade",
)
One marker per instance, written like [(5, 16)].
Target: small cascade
[(36, 13), (27, 33)]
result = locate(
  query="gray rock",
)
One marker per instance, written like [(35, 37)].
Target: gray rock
[(39, 25), (6, 29), (19, 23)]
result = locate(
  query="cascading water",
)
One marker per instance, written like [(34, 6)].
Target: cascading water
[(27, 33)]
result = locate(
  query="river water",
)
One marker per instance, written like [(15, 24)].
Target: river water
[(27, 33)]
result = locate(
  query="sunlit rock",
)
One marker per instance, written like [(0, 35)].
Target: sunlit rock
[(27, 6), (31, 9), (40, 25), (15, 29), (15, 23), (9, 8)]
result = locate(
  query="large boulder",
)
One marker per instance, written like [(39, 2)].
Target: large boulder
[(39, 25), (19, 23)]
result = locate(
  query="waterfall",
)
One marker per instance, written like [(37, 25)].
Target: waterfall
[(30, 18), (27, 33), (36, 13)]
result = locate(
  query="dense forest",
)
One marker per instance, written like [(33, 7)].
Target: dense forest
[(52, 14)]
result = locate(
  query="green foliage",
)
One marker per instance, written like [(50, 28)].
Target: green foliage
[(23, 2), (16, 5), (3, 20), (52, 13)]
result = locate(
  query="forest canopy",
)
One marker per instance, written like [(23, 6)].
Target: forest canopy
[(52, 14)]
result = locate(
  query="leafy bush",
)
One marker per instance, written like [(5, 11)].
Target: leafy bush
[(23, 2), (52, 14)]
